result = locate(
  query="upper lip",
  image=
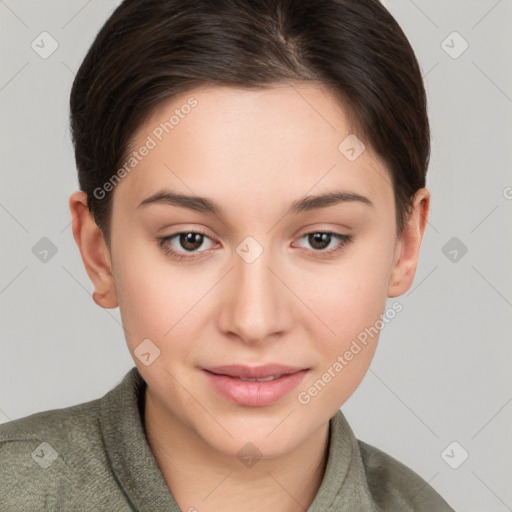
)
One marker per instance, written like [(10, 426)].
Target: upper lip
[(254, 372)]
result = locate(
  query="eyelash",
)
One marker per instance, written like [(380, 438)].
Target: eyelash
[(163, 243)]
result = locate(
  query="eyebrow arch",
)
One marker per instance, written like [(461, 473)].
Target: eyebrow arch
[(204, 205)]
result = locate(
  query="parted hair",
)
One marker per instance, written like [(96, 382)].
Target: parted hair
[(149, 51)]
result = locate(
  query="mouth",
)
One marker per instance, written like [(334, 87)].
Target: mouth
[(264, 379), (254, 386), (255, 373)]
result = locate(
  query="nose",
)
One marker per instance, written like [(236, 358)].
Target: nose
[(256, 305)]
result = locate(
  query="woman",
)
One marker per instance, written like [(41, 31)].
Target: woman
[(252, 191)]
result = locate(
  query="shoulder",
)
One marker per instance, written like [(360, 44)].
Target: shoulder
[(66, 429), (48, 455), (49, 422), (393, 484)]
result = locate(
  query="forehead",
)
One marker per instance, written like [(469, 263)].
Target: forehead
[(218, 140)]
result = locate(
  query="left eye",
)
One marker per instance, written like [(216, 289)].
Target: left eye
[(193, 240), (319, 238)]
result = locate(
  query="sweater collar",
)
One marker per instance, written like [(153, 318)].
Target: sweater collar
[(343, 487)]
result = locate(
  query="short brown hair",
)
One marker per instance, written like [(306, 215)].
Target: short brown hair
[(151, 50)]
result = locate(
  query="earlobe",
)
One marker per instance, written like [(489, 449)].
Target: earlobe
[(94, 251), (404, 267)]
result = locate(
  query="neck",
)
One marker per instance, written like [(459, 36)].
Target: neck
[(202, 479)]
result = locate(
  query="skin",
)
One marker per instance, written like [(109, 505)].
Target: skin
[(253, 153)]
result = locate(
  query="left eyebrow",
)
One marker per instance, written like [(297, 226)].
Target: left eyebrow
[(324, 200), (205, 205)]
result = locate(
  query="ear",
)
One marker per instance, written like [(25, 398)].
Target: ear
[(408, 247), (94, 251)]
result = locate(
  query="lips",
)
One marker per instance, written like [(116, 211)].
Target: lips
[(254, 386), (265, 372)]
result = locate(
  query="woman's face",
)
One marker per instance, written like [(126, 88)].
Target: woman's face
[(261, 285)]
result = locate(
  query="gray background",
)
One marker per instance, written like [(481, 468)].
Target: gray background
[(442, 372)]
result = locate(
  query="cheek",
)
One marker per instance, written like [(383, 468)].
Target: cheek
[(351, 296), (147, 296), (157, 300)]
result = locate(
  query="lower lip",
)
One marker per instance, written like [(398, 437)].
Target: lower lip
[(254, 394)]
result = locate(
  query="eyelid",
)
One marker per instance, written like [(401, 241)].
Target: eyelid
[(163, 242), (343, 240)]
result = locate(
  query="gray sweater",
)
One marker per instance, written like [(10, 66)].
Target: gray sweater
[(94, 456)]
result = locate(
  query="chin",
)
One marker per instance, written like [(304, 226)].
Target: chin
[(265, 436)]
